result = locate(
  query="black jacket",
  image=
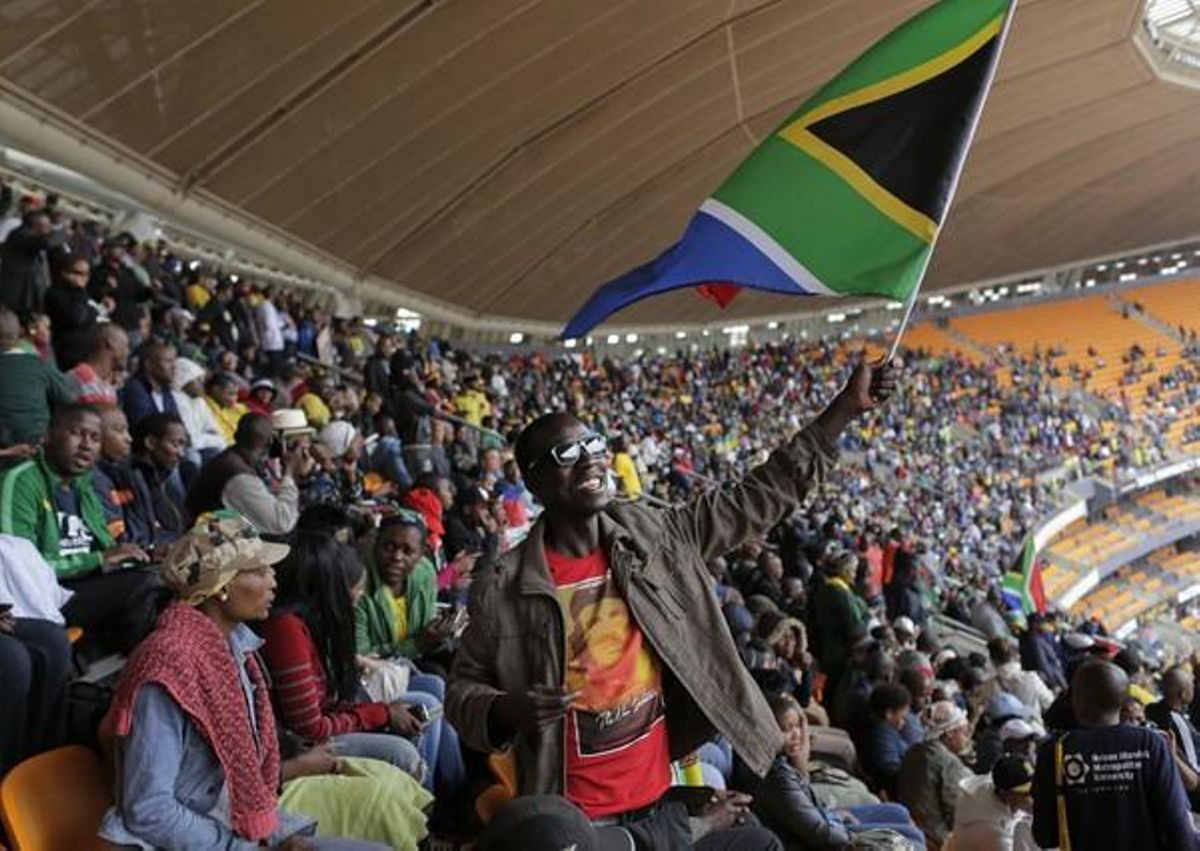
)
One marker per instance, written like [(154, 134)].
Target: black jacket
[(786, 804), (217, 315), (24, 274), (124, 288), (462, 537), (169, 494), (1160, 713), (204, 494), (377, 378), (72, 323)]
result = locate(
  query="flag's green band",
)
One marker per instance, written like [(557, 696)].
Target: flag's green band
[(914, 221)]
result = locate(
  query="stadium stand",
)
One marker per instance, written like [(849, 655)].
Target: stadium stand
[(990, 430), (314, 534)]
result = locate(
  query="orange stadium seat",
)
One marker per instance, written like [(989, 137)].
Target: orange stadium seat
[(1176, 303), (1096, 322), (503, 766), (55, 801)]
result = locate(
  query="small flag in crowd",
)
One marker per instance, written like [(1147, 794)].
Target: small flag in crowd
[(846, 197), (1022, 587)]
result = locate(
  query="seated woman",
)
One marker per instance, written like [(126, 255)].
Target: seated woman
[(310, 653), (397, 616), (191, 727), (786, 803)]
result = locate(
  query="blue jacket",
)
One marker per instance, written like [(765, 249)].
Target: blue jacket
[(128, 505), (1121, 789), (885, 751), (170, 785), (139, 403), (387, 459)]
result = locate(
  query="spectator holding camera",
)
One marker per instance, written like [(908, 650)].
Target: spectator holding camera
[(237, 479)]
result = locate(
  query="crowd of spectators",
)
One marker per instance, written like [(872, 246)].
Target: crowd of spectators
[(282, 518)]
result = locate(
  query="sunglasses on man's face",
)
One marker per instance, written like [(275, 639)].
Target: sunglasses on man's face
[(571, 452)]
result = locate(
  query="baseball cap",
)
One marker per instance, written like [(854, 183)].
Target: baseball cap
[(1078, 641), (215, 550), (265, 384), (1016, 728), (338, 437), (549, 823), (905, 625), (1005, 705), (1013, 774), (943, 656)]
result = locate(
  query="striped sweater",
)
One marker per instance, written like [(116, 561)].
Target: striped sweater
[(298, 680)]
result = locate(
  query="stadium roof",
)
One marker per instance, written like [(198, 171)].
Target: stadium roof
[(504, 157), (1175, 20)]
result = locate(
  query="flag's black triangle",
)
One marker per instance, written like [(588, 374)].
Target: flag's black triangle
[(911, 142)]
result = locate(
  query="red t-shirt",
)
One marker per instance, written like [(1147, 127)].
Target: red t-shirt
[(618, 758)]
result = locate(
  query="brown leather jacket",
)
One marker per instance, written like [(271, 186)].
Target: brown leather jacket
[(514, 639)]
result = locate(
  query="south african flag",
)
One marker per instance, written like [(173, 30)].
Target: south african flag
[(848, 194)]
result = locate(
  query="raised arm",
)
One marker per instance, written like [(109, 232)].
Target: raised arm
[(720, 521)]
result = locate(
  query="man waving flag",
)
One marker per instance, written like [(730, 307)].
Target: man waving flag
[(846, 197)]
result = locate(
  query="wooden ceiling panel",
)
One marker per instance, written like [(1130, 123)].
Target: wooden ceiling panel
[(1028, 100), (626, 233), (787, 50), (97, 49), (1049, 31), (637, 132), (162, 103), (311, 144), (238, 108), (479, 97), (474, 138)]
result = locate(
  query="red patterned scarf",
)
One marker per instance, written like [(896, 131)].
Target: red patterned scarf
[(189, 657)]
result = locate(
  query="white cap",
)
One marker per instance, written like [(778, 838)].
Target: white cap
[(904, 624), (338, 437), (1016, 728), (1078, 641), (186, 371)]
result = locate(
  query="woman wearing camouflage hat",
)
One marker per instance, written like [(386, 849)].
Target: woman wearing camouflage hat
[(191, 726)]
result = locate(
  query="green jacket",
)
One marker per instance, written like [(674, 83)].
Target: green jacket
[(839, 621), (30, 389), (27, 511), (374, 625)]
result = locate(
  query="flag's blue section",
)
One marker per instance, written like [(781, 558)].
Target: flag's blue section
[(710, 252)]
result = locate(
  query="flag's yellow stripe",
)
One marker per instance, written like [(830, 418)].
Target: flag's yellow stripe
[(905, 80), (919, 224)]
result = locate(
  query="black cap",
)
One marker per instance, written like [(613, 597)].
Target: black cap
[(1013, 773), (549, 823)]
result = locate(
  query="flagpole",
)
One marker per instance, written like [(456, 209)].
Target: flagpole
[(912, 298)]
